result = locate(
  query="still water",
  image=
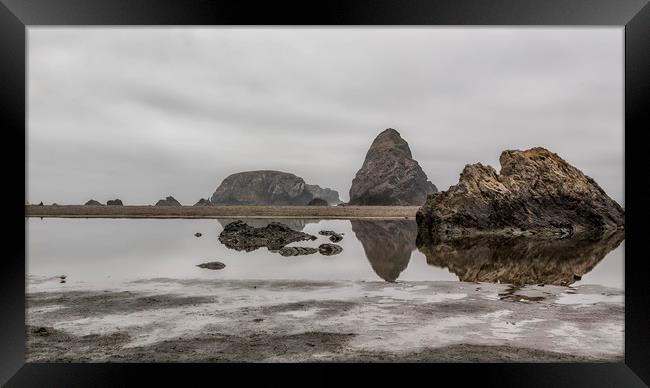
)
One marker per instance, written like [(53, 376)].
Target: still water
[(98, 253)]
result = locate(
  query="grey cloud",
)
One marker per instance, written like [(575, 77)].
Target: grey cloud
[(142, 113)]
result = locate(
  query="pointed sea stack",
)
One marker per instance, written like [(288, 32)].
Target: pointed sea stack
[(535, 193), (390, 175)]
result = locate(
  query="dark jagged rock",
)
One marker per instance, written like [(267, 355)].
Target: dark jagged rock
[(318, 202), (328, 249), (266, 187), (390, 175), (387, 244), (41, 331), (198, 234), (212, 265), (40, 204), (334, 237), (203, 202), (92, 202), (297, 251), (169, 201), (518, 260), (114, 202), (242, 237), (536, 193)]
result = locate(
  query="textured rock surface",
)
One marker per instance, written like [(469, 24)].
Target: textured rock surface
[(329, 195), (203, 202), (114, 202), (518, 260), (536, 192), (265, 187), (92, 202), (387, 244), (390, 175), (242, 237), (297, 251), (334, 237), (318, 202), (212, 265), (328, 249), (169, 201)]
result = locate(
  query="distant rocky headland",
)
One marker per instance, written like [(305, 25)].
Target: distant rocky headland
[(389, 174), (535, 193), (268, 187)]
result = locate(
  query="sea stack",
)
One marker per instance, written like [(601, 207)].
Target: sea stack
[(203, 202), (390, 175), (318, 202), (169, 201), (268, 187), (535, 193)]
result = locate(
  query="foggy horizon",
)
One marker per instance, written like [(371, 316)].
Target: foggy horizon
[(143, 113)]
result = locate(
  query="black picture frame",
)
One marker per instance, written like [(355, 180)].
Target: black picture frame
[(633, 15)]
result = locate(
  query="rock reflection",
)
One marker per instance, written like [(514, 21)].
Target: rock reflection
[(518, 260), (387, 244), (294, 223)]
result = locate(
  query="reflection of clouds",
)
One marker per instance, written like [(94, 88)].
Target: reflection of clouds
[(131, 102), (387, 244), (518, 260)]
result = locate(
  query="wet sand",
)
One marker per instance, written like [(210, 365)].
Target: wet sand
[(172, 320), (320, 212)]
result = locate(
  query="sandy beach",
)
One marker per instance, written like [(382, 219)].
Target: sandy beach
[(321, 212), (192, 320)]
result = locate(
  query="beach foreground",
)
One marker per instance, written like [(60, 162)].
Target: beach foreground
[(191, 320), (321, 212)]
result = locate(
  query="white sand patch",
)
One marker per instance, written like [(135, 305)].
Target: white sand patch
[(511, 330), (301, 313), (587, 299)]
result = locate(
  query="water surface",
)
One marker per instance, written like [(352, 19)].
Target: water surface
[(107, 252)]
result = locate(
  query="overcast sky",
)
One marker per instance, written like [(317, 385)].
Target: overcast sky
[(142, 113)]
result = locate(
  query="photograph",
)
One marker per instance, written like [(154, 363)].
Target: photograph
[(337, 194)]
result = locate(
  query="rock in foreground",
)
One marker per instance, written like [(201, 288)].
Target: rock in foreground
[(267, 187), (390, 175), (334, 237), (212, 265), (239, 236), (536, 193), (328, 249), (169, 201), (297, 251)]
